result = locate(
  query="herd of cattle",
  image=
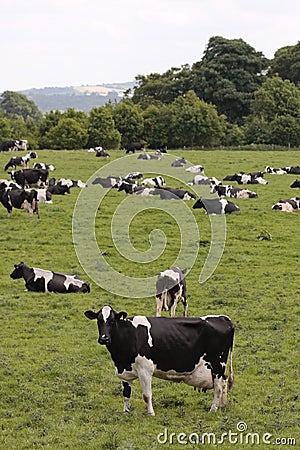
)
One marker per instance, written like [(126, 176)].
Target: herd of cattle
[(194, 351)]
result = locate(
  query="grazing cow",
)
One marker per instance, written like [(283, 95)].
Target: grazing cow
[(20, 161), (232, 191), (156, 181), (29, 177), (102, 153), (201, 180), (295, 184), (133, 146), (43, 166), (13, 144), (216, 206), (170, 289), (19, 199), (40, 280), (180, 162), (243, 178), (288, 205), (169, 193), (195, 169), (108, 182), (148, 156), (190, 350)]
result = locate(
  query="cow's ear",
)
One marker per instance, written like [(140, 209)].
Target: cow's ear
[(121, 315), (90, 315)]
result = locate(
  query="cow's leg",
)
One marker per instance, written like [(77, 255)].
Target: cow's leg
[(126, 395), (159, 305), (173, 307), (224, 394), (219, 383), (145, 378)]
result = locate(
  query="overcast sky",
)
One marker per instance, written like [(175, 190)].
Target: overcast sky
[(77, 42)]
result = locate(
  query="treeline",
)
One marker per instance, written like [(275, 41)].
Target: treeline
[(233, 96)]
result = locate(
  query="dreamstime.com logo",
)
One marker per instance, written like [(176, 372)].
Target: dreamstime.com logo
[(91, 253), (240, 436)]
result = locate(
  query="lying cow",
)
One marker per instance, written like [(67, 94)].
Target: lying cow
[(232, 191), (189, 350), (20, 161), (71, 183), (169, 193), (40, 280), (202, 180), (243, 178), (180, 162), (155, 182), (195, 169), (11, 197), (216, 206), (43, 166), (134, 188), (288, 205), (101, 153), (170, 289), (108, 182), (29, 177)]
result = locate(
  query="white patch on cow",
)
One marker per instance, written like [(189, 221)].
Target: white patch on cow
[(106, 310), (81, 184), (142, 320), (223, 204), (42, 273), (171, 274), (187, 196), (71, 279)]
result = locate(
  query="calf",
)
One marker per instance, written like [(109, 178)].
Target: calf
[(189, 350), (232, 191), (19, 199), (216, 206), (29, 177), (289, 205), (170, 289), (20, 161), (40, 280)]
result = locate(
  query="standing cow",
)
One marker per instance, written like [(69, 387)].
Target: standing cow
[(189, 350), (171, 289)]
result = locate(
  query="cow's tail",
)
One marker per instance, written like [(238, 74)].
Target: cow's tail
[(230, 375)]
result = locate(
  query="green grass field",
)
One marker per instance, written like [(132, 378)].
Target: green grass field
[(58, 387)]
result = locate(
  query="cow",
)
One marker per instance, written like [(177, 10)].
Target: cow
[(13, 144), (169, 193), (148, 156), (295, 170), (243, 178), (102, 153), (40, 280), (191, 350), (202, 180), (134, 188), (195, 169), (216, 206), (11, 197), (171, 289), (134, 176), (20, 161), (134, 146), (232, 191), (295, 184), (180, 162), (274, 171), (58, 189), (156, 181), (43, 195), (44, 166), (108, 182), (288, 205), (71, 183), (29, 177)]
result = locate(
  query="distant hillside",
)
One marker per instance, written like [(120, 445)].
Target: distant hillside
[(82, 98)]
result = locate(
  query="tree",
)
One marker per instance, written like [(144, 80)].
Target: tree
[(101, 128), (68, 134), (157, 126), (6, 131), (286, 63), (17, 105), (129, 121), (228, 75)]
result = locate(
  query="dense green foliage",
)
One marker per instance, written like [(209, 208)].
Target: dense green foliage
[(58, 388)]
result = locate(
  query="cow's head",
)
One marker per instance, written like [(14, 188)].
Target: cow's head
[(107, 319), (18, 272)]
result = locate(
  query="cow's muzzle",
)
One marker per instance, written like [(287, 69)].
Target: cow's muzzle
[(104, 340)]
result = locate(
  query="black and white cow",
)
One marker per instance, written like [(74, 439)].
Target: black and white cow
[(180, 162), (155, 182), (171, 289), (11, 197), (232, 191), (288, 205), (244, 178), (58, 189), (40, 280), (13, 144), (275, 171), (202, 180), (134, 188), (295, 184), (216, 206), (169, 193), (43, 166), (189, 350), (295, 170), (29, 177), (101, 153), (43, 195), (134, 146), (108, 182), (195, 169), (134, 176), (20, 161), (71, 183)]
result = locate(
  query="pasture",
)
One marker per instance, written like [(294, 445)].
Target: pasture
[(58, 387)]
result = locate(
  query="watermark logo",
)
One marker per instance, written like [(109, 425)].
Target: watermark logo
[(91, 203)]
